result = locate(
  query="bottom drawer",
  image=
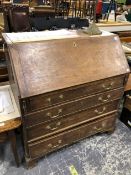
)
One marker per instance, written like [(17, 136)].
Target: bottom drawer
[(39, 148)]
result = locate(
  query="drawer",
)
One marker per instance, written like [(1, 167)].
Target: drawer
[(49, 99), (42, 147), (48, 128), (72, 107)]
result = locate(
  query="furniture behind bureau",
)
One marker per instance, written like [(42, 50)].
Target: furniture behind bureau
[(126, 112), (126, 38), (3, 66), (9, 118), (67, 85), (18, 18)]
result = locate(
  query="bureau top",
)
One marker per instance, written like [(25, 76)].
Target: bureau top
[(11, 38), (51, 65)]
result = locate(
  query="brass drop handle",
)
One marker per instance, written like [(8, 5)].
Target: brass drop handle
[(108, 87), (49, 99), (98, 129), (104, 124), (55, 146), (100, 112), (54, 116), (61, 96), (54, 128), (104, 100)]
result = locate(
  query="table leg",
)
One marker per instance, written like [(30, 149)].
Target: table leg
[(12, 138)]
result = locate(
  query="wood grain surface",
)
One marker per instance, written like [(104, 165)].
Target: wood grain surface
[(46, 66), (10, 124)]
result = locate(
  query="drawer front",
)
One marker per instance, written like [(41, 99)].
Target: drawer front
[(46, 100), (72, 107), (48, 128), (37, 149)]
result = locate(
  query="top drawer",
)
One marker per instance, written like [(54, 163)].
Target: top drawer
[(57, 97)]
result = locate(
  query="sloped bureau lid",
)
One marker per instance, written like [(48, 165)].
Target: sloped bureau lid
[(50, 65)]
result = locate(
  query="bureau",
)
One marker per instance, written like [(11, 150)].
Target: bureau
[(67, 86)]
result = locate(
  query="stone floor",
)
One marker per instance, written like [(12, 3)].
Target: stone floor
[(102, 154)]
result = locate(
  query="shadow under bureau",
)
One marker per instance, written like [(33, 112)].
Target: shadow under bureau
[(67, 87)]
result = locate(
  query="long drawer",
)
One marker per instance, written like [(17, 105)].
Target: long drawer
[(49, 128), (72, 107), (53, 98), (42, 147)]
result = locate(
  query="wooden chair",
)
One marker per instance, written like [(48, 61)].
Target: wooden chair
[(19, 19), (3, 29)]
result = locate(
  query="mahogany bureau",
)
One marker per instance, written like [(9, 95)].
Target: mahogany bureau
[(66, 88)]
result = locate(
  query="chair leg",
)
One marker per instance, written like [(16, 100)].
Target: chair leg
[(12, 138)]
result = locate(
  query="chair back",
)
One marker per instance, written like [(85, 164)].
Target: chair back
[(19, 19)]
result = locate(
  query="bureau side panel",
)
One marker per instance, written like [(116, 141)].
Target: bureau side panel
[(12, 78)]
